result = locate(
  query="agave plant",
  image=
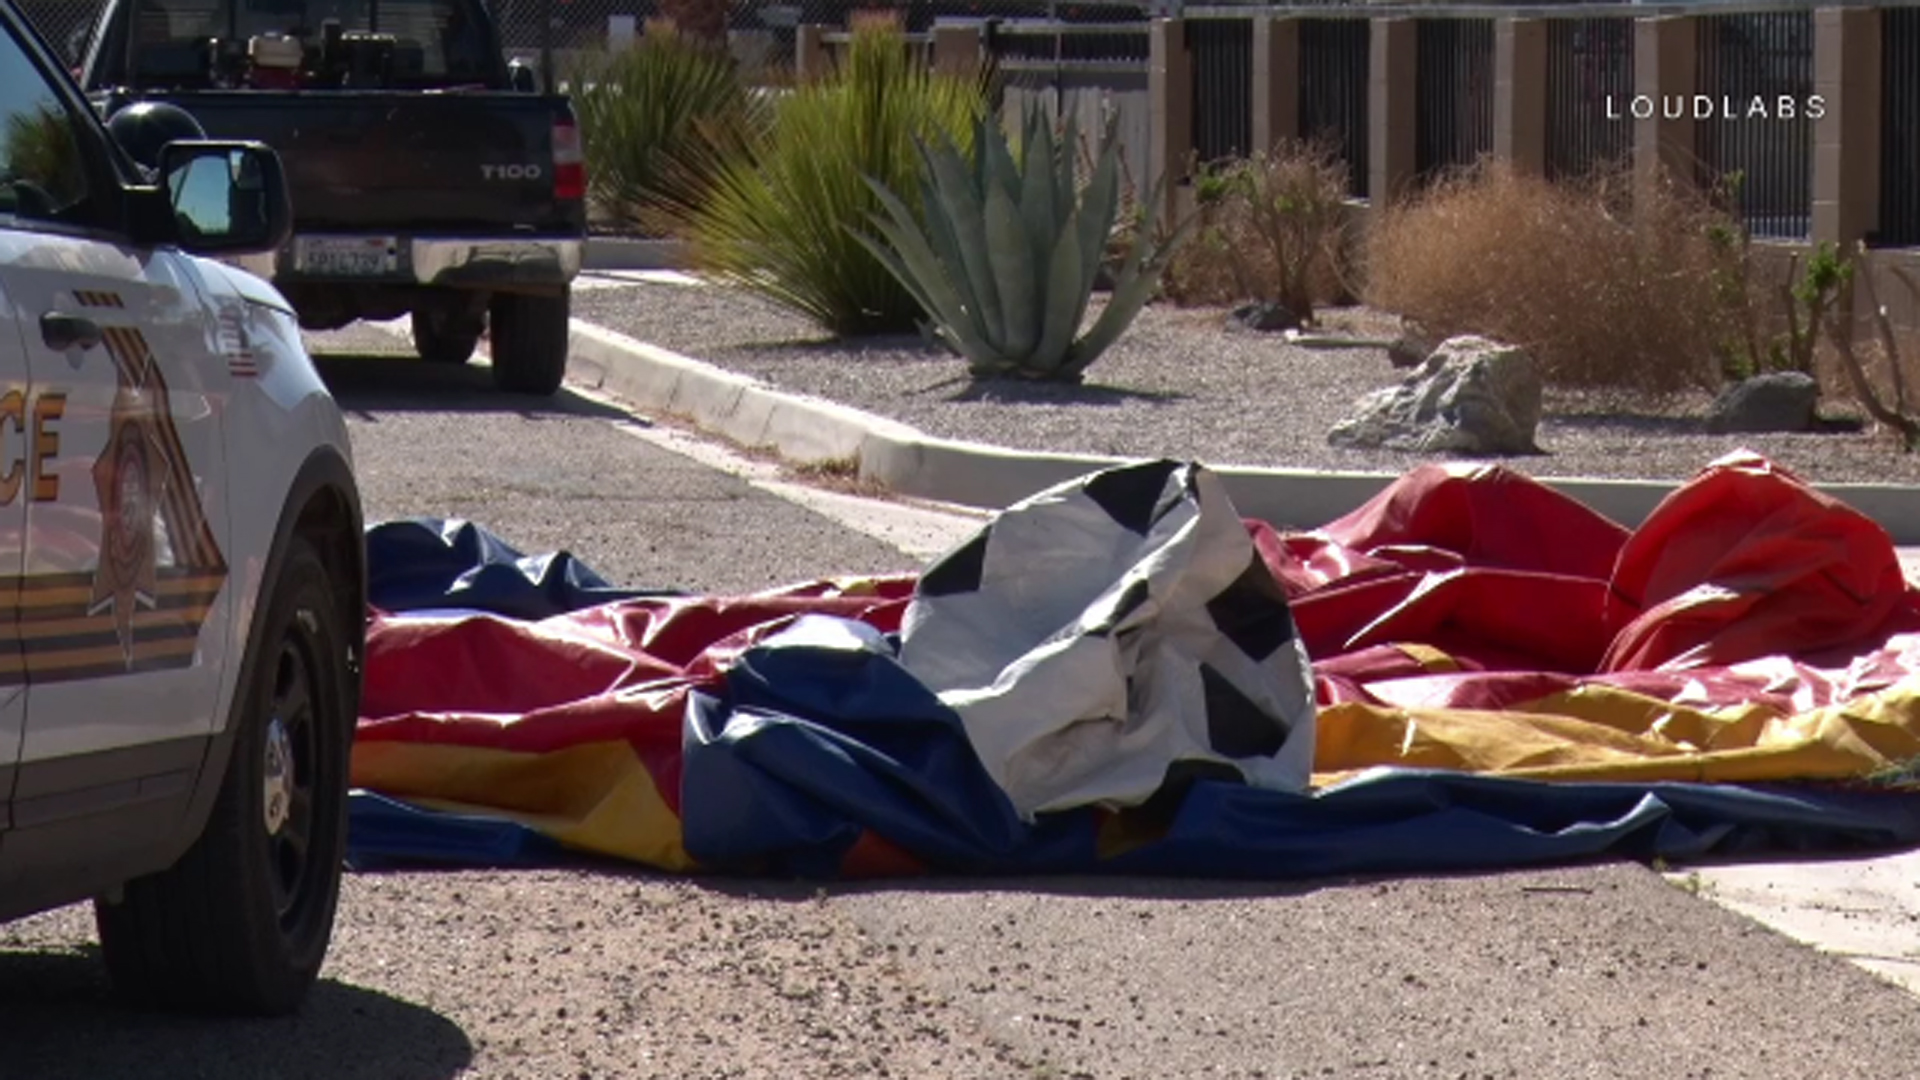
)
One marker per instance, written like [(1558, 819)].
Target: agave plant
[(1007, 262)]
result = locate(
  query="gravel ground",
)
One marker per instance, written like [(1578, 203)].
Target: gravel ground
[(1602, 971), (1179, 385)]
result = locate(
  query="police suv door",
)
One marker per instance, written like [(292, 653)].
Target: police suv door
[(14, 455), (123, 604)]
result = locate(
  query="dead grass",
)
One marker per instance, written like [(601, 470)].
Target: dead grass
[(1605, 292)]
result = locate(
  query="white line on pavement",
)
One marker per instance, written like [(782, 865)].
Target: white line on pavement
[(917, 529)]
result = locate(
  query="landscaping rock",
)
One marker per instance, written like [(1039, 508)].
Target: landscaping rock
[(1413, 348), (1471, 396), (1777, 401), (1265, 316)]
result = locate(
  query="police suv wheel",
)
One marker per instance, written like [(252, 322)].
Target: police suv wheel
[(241, 924), (529, 342)]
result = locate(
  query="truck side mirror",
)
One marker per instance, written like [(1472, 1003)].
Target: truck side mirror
[(225, 197)]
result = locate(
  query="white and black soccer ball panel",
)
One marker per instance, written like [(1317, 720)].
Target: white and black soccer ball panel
[(1096, 634)]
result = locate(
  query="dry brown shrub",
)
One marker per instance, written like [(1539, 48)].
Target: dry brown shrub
[(1271, 227), (1606, 292)]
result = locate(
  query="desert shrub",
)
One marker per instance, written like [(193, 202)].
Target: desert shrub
[(1774, 323), (650, 117), (782, 213), (1270, 227), (1889, 399), (1604, 290)]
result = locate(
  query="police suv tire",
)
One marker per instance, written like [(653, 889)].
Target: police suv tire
[(440, 339), (241, 924), (529, 341)]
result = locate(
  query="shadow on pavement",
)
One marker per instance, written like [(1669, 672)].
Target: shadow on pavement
[(366, 384), (1092, 887), (57, 1021)]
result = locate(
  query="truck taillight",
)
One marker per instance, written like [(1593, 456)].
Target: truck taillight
[(569, 166)]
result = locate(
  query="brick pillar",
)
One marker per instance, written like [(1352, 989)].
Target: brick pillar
[(1665, 62), (957, 49), (1170, 101), (1846, 132), (1391, 87), (1276, 82), (810, 59), (1520, 93)]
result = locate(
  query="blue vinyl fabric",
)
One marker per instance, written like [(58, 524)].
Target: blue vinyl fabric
[(424, 563)]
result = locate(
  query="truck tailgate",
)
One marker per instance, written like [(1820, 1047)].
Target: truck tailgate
[(408, 163)]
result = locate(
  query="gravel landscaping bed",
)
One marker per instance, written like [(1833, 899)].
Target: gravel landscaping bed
[(1178, 384)]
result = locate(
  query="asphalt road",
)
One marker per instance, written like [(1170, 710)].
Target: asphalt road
[(1604, 971)]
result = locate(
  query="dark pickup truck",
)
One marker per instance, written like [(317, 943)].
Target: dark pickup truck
[(430, 177)]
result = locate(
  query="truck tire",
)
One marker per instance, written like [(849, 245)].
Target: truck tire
[(241, 924), (530, 342), (441, 338)]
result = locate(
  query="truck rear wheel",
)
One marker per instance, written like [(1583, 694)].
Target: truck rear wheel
[(445, 337), (241, 924), (530, 342)]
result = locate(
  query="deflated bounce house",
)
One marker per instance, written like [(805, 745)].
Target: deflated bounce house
[(1122, 675)]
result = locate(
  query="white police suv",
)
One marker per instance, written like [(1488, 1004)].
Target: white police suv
[(182, 581)]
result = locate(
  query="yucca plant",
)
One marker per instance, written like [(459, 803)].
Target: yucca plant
[(1007, 261), (777, 219), (649, 116)]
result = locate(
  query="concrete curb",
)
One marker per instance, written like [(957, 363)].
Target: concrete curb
[(911, 462), (623, 253)]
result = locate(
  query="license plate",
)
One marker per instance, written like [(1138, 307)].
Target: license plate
[(346, 256)]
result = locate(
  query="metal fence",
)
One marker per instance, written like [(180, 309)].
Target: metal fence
[(1899, 128), (1095, 71), (1757, 72), (1589, 95), (1335, 58), (65, 24), (1221, 52), (1453, 79)]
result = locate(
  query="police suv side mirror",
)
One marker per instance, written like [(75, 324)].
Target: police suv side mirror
[(223, 197)]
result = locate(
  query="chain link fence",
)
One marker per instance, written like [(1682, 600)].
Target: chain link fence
[(66, 24)]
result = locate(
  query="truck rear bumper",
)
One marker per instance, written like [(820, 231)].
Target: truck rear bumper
[(448, 262)]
